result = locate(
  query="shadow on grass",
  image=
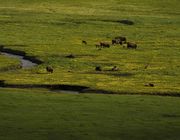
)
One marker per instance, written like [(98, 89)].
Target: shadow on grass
[(84, 89), (124, 21), (75, 88), (170, 116), (87, 21), (69, 21), (112, 73), (126, 74)]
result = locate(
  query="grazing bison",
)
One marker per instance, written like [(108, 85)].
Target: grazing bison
[(49, 69), (98, 45), (150, 85), (70, 56), (104, 44), (84, 42), (115, 68), (131, 45), (117, 41), (2, 83), (121, 38), (98, 68), (114, 41)]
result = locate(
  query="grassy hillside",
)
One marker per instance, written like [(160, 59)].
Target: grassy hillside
[(44, 116), (50, 30)]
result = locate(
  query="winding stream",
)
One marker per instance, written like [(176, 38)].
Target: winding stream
[(27, 64), (70, 89), (24, 62)]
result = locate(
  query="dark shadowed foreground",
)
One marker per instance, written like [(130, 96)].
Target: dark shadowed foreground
[(41, 116)]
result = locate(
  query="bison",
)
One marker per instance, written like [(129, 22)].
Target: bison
[(121, 38), (98, 68), (115, 68), (131, 45), (104, 44), (98, 45), (150, 85), (117, 41), (70, 56), (49, 69), (84, 42)]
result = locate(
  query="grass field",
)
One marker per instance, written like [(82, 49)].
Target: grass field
[(52, 29), (55, 116)]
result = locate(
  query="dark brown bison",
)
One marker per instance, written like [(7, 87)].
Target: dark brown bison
[(84, 42), (121, 38), (115, 68), (116, 41), (98, 45), (49, 69), (104, 44), (150, 85), (131, 45), (70, 56), (2, 83), (98, 68)]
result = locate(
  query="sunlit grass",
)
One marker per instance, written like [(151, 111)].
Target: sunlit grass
[(52, 30)]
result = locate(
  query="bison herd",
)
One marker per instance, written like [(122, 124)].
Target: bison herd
[(119, 40)]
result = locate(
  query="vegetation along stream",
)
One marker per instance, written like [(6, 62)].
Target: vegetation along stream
[(25, 63)]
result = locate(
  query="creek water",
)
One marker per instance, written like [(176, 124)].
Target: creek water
[(24, 62)]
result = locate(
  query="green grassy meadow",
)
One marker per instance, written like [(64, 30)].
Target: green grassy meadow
[(54, 116), (52, 29)]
